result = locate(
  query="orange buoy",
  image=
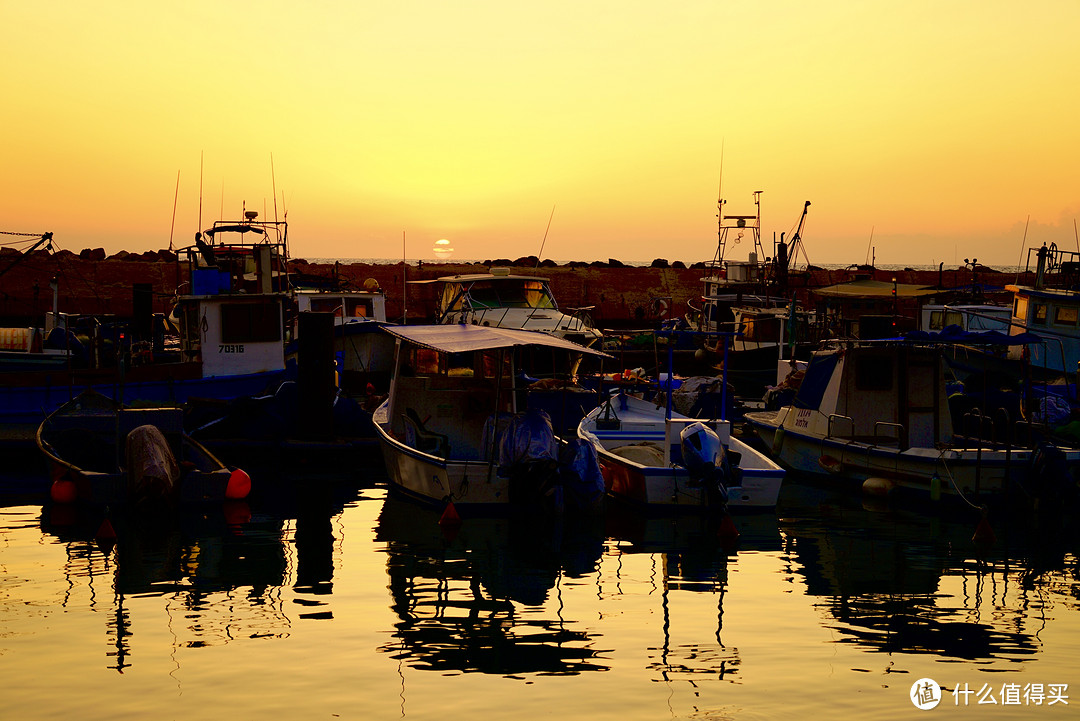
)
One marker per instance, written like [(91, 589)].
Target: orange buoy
[(239, 485), (63, 490)]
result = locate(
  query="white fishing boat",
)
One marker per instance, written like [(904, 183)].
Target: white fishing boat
[(456, 426), (364, 354), (229, 316), (878, 413), (502, 300), (659, 459)]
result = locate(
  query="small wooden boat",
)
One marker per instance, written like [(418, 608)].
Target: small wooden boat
[(645, 457), (104, 453)]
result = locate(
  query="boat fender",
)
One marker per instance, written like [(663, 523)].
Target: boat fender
[(239, 485), (63, 490), (935, 488), (876, 486), (778, 440), (830, 464)]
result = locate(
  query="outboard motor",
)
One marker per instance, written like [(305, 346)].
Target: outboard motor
[(528, 456), (706, 459)]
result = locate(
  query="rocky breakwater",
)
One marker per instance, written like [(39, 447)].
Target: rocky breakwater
[(621, 296)]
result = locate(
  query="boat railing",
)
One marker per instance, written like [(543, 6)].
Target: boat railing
[(838, 417), (901, 432), (985, 427)]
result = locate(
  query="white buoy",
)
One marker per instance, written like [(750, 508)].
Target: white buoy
[(875, 486)]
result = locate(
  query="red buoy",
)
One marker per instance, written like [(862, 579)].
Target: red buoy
[(63, 490), (984, 534), (727, 532), (106, 537), (239, 485), (106, 531), (450, 516)]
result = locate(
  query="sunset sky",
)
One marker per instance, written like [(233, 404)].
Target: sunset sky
[(925, 131)]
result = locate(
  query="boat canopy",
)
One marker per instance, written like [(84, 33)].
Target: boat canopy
[(956, 334), (468, 338), (875, 289)]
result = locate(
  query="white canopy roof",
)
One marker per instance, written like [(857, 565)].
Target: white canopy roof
[(468, 338)]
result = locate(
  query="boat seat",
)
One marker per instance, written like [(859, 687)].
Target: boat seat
[(420, 438)]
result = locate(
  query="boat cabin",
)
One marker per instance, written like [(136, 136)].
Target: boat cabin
[(876, 393)]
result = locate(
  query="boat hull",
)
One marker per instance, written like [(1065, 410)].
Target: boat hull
[(25, 403), (433, 481), (635, 469), (971, 473)]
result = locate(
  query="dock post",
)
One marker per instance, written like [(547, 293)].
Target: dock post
[(315, 373)]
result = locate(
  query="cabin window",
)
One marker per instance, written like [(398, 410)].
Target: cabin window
[(326, 305), (1065, 316), (1020, 309), (874, 373), (941, 318), (451, 297), (762, 330), (1039, 316), (251, 322), (537, 296), (490, 364), (359, 307), (421, 362)]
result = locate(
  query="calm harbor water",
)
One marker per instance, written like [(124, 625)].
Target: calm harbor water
[(328, 599)]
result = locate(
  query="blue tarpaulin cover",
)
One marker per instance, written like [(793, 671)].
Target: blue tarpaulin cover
[(816, 380), (956, 334)]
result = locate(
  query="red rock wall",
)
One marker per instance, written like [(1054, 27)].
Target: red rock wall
[(622, 296)]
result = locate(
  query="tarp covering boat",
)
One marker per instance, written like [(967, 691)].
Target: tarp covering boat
[(469, 338), (874, 289)]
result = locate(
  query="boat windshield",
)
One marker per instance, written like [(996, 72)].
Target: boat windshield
[(510, 294)]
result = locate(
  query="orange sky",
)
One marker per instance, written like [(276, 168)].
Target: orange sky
[(940, 128)]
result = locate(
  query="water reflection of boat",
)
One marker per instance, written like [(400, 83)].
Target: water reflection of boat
[(193, 559), (894, 580), (457, 598), (219, 571)]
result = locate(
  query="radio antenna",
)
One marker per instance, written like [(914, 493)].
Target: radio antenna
[(541, 253), (273, 185), (176, 195), (199, 228)]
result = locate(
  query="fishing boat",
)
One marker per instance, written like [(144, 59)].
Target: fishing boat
[(880, 414), (106, 454), (656, 458), (502, 300), (1051, 311), (229, 323), (363, 354), (457, 427)]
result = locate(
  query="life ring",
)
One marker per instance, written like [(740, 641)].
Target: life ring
[(660, 307)]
